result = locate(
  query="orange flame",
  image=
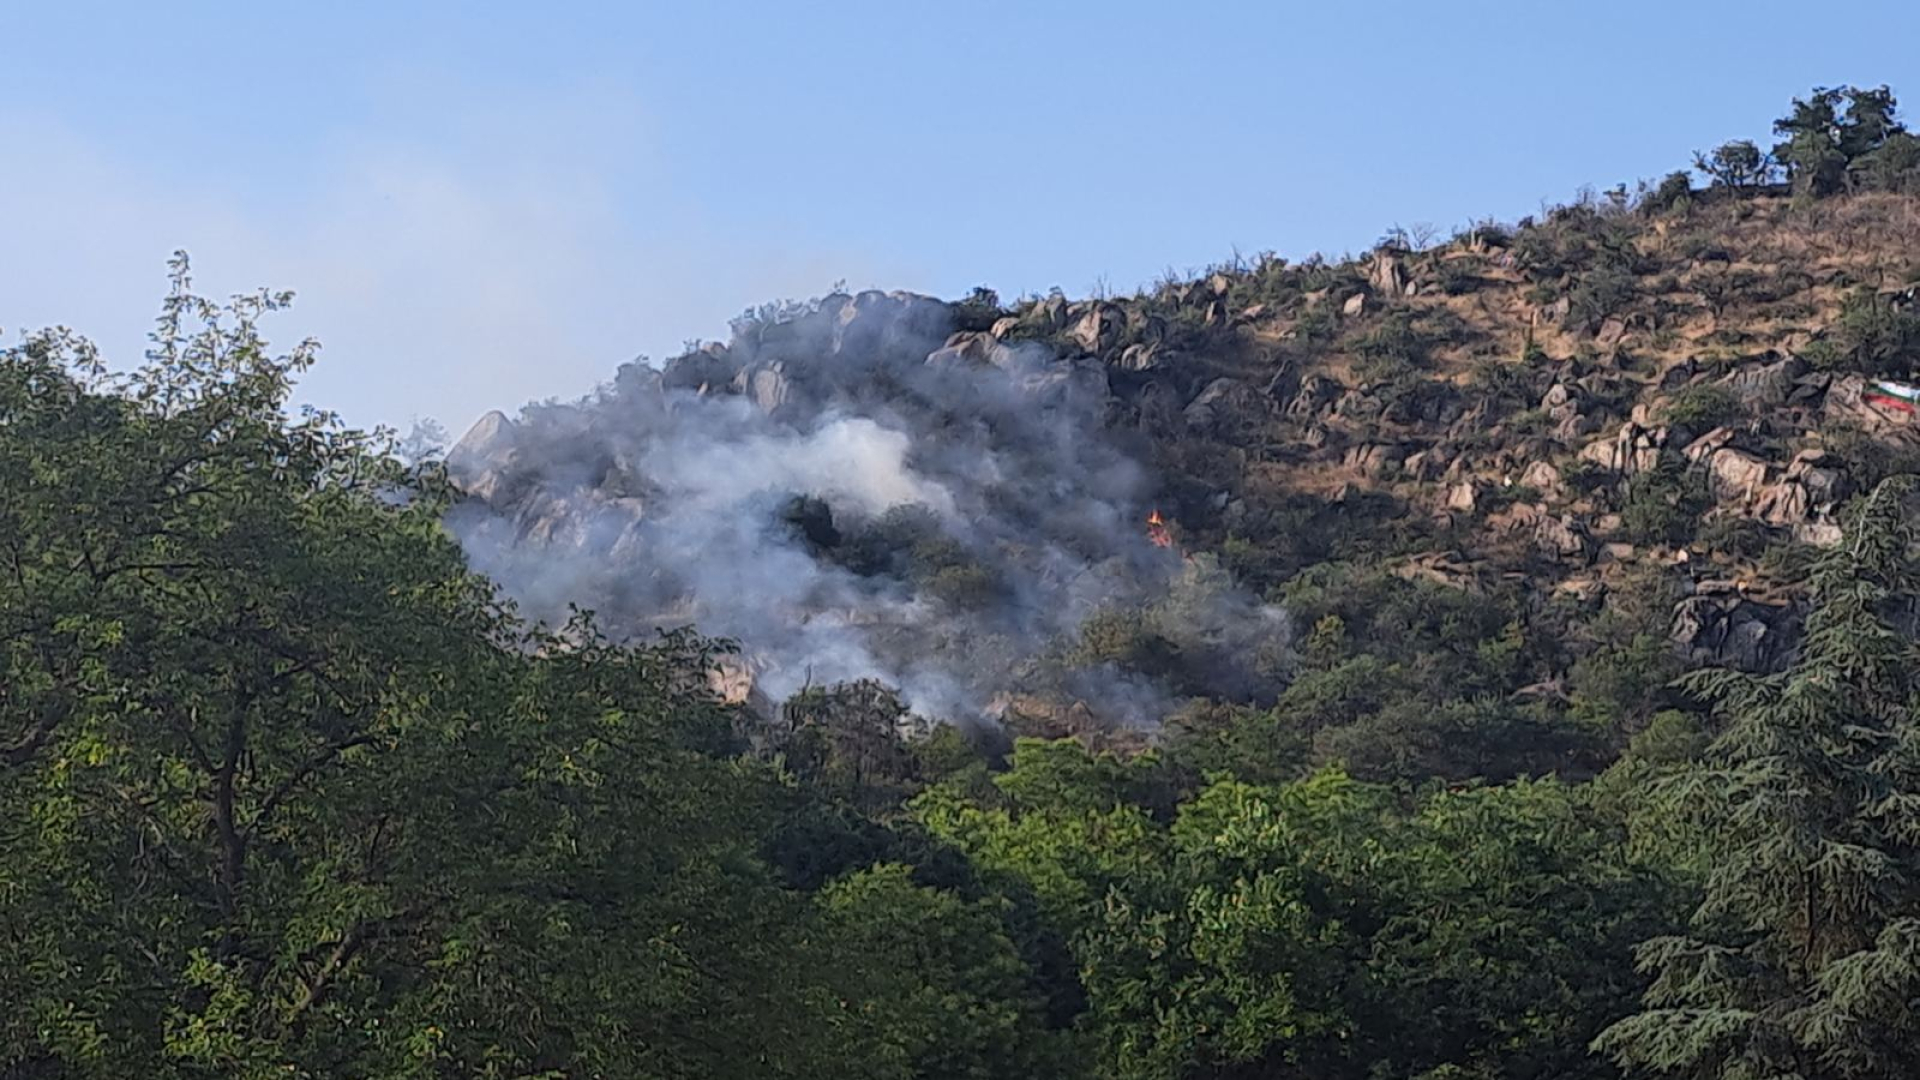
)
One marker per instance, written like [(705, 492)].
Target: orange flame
[(1157, 533)]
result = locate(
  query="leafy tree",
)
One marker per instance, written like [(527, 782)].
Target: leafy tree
[(1604, 291), (1869, 121), (1736, 165), (1873, 335), (1675, 193), (1629, 661), (979, 310), (1895, 166), (1811, 147), (1832, 133), (937, 988), (287, 791), (849, 739), (1663, 505), (1802, 960)]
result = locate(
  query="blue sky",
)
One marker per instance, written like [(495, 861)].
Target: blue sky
[(484, 204)]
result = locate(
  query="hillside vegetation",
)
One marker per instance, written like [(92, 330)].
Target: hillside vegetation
[(1584, 747)]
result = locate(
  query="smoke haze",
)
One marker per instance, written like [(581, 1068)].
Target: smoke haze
[(851, 490)]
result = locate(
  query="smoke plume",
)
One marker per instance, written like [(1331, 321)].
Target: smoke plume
[(851, 490)]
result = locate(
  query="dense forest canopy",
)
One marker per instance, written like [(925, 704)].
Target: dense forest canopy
[(287, 788)]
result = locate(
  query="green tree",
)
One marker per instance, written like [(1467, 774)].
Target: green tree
[(288, 792), (1832, 134), (1810, 149), (1735, 165), (1804, 958), (935, 986)]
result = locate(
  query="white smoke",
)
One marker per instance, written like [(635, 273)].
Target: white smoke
[(847, 498)]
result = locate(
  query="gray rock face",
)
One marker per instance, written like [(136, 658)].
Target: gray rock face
[(1737, 475), (1805, 493), (481, 460), (879, 323), (966, 350), (1100, 328), (1632, 450), (1766, 386), (1542, 477), (710, 367), (767, 386), (1732, 631), (1140, 357), (1372, 459), (1562, 537), (1316, 394), (1388, 277), (1224, 406)]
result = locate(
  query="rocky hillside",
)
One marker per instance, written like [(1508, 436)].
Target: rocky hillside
[(1561, 404), (1527, 474)]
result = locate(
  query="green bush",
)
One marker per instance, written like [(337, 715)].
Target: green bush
[(1675, 194), (1395, 340), (1459, 280), (1872, 336), (1600, 292), (1663, 505), (1702, 407), (1735, 535), (979, 311)]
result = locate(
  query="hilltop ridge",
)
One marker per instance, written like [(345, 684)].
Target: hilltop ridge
[(1611, 437)]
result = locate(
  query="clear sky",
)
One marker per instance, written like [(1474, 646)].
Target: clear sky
[(481, 204)]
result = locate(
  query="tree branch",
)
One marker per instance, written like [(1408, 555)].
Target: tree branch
[(22, 749), (305, 769), (315, 989)]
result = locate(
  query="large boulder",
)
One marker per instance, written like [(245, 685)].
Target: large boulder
[(482, 460), (1562, 537), (1051, 313), (1225, 406), (1805, 496), (1826, 482), (1427, 465), (1316, 394), (1372, 459), (1100, 328), (1766, 385), (1541, 476), (1736, 476), (882, 323), (1728, 630), (1388, 276), (966, 349), (767, 386), (1631, 450), (710, 368), (1066, 385), (1142, 356)]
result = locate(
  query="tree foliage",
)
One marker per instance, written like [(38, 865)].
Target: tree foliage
[(1801, 959), (287, 790)]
